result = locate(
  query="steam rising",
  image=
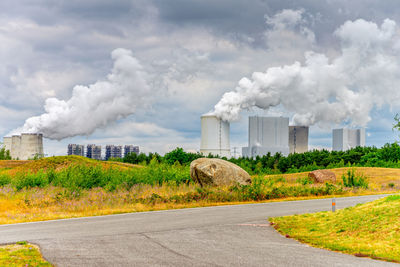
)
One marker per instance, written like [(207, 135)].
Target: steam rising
[(96, 105), (364, 76)]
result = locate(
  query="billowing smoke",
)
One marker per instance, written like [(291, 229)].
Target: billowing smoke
[(96, 105), (365, 75)]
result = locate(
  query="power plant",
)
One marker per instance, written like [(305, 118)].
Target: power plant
[(214, 136), (25, 146), (298, 139), (267, 134), (345, 139)]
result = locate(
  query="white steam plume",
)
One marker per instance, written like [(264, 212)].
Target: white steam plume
[(96, 105), (364, 76)]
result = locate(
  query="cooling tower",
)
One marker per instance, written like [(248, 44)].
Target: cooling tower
[(214, 136), (298, 139), (345, 139), (31, 146), (7, 143), (15, 146), (267, 135)]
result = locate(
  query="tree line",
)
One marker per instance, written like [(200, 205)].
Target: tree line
[(387, 156)]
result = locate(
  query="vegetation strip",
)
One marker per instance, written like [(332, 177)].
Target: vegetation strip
[(366, 230), (21, 254), (72, 186)]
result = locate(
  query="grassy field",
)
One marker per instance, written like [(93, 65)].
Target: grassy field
[(367, 230), (66, 187), (21, 254)]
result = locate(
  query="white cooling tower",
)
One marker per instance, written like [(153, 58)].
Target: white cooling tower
[(214, 136), (31, 146), (7, 143), (15, 146)]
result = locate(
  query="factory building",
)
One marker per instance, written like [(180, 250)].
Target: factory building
[(298, 139), (267, 135), (345, 139), (25, 146), (74, 149), (214, 136), (130, 149), (7, 143), (113, 151), (93, 152)]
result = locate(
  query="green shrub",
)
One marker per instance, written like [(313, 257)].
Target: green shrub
[(4, 179), (305, 180), (350, 179), (29, 179)]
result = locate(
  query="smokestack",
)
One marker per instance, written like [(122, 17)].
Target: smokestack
[(214, 136)]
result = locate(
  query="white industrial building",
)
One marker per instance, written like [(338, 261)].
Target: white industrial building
[(267, 134), (214, 136), (298, 139), (25, 146), (345, 139)]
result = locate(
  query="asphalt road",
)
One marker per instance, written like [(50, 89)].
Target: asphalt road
[(214, 236)]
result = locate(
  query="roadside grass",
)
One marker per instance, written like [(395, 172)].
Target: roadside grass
[(366, 230), (21, 254)]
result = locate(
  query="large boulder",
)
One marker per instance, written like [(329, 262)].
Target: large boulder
[(323, 176), (218, 172)]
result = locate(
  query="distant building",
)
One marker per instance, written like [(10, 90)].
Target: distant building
[(267, 135), (113, 151), (93, 152), (298, 139), (345, 139), (130, 149), (74, 149)]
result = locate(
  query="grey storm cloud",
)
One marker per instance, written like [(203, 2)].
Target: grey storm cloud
[(194, 50)]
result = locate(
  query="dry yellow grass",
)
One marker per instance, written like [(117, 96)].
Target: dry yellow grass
[(378, 178)]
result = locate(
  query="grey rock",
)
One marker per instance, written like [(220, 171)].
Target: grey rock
[(217, 172)]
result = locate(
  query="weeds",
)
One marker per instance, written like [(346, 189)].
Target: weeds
[(350, 179)]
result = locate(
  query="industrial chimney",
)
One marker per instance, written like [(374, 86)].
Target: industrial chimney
[(214, 136)]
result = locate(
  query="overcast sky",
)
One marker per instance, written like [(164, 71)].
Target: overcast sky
[(191, 51)]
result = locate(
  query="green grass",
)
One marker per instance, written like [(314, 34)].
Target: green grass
[(371, 229), (21, 254)]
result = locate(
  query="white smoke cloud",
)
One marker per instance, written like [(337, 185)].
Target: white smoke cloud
[(323, 90), (97, 105)]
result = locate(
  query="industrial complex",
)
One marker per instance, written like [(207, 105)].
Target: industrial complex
[(25, 146), (270, 135), (266, 135)]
